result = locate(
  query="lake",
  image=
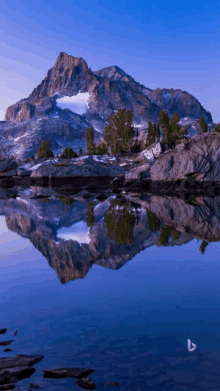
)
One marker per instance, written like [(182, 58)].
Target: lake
[(116, 284)]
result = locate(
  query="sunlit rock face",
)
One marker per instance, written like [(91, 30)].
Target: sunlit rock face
[(198, 159), (73, 97)]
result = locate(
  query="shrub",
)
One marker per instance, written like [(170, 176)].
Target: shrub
[(32, 157), (68, 153), (60, 165), (27, 159), (80, 152), (44, 150)]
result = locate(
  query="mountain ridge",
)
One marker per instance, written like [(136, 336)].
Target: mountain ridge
[(107, 90)]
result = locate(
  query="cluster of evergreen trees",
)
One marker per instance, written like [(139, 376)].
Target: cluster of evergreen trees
[(119, 135)]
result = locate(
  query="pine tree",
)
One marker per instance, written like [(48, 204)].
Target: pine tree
[(119, 132), (203, 246), (90, 140), (44, 150), (68, 153), (157, 138), (217, 128), (90, 214), (203, 125), (80, 152), (177, 132), (153, 221), (120, 222), (101, 149), (165, 125), (151, 134)]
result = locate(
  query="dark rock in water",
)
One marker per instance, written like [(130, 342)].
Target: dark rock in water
[(113, 384), (6, 343), (14, 374), (15, 332), (32, 385), (19, 361), (86, 384), (7, 387), (3, 331), (17, 368), (6, 350), (198, 160), (76, 373)]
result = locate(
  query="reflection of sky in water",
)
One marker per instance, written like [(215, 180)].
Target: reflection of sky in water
[(78, 231)]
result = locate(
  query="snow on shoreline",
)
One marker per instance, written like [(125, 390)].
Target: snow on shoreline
[(77, 103)]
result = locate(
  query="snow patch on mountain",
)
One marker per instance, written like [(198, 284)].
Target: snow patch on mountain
[(76, 103), (78, 232), (23, 135)]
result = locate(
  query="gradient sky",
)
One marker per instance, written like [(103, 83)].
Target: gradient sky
[(160, 44)]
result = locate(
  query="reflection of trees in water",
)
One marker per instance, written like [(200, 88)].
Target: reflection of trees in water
[(120, 222), (90, 214), (203, 246), (165, 233), (153, 221)]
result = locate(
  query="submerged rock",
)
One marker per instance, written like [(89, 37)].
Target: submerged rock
[(3, 331), (6, 343), (58, 373), (86, 384)]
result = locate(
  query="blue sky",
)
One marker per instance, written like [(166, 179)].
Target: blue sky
[(160, 44)]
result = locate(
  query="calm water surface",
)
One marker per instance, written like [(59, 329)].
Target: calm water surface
[(122, 314)]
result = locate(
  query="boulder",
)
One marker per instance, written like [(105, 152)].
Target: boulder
[(138, 173), (80, 168), (22, 172), (3, 331), (7, 165), (151, 152), (198, 159)]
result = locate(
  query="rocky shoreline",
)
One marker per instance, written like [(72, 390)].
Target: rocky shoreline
[(191, 167)]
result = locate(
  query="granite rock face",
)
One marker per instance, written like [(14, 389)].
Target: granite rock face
[(198, 159), (39, 116), (78, 168)]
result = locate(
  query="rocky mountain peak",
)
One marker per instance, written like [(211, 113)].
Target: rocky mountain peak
[(114, 73), (68, 76)]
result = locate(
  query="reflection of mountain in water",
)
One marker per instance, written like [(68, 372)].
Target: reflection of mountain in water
[(117, 230)]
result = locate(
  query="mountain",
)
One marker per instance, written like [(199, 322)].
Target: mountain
[(72, 97)]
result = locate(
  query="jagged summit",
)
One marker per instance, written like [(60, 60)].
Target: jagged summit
[(72, 97), (114, 73)]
